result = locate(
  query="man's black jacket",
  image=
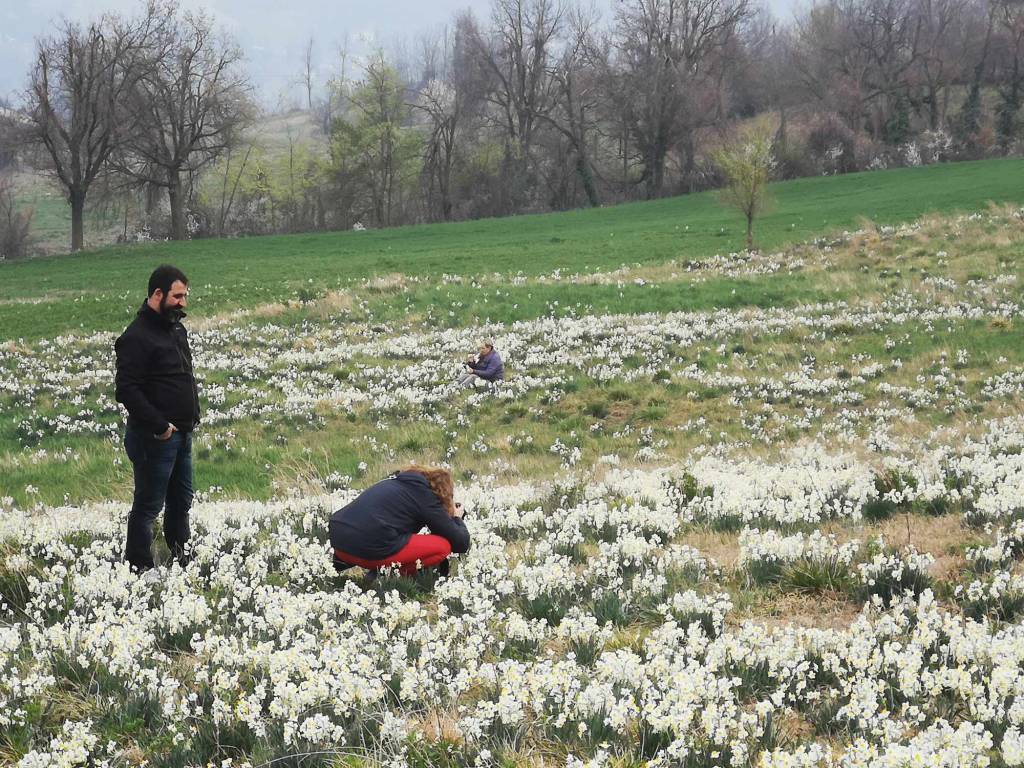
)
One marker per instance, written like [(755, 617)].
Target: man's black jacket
[(154, 379), (384, 517)]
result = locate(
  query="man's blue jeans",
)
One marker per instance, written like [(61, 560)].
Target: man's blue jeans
[(163, 475)]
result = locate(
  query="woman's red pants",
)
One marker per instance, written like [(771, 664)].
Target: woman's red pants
[(424, 550)]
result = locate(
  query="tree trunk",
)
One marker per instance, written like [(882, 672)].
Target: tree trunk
[(690, 167), (177, 206), (933, 109), (445, 185), (77, 200), (781, 148), (587, 177), (152, 192), (750, 232), (655, 171)]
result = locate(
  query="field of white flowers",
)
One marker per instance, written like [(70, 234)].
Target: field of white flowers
[(768, 536)]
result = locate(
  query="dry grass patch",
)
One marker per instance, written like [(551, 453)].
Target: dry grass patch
[(721, 548), (393, 282), (829, 610), (437, 725), (329, 305), (942, 537), (49, 298), (208, 322), (795, 726)]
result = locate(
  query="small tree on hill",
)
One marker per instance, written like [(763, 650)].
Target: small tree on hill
[(747, 162)]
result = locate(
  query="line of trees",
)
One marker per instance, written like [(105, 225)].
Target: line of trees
[(541, 106)]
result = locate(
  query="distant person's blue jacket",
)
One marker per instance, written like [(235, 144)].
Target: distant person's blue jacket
[(489, 367)]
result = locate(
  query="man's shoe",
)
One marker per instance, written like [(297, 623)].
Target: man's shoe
[(444, 568), (184, 559), (139, 570)]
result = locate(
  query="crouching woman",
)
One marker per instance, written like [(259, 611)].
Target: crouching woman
[(380, 527)]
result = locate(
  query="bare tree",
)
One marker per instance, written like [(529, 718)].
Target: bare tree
[(449, 99), (779, 82), (440, 101), (967, 125), (890, 32), (861, 57), (190, 106), (15, 224), (336, 91), (227, 200), (576, 87), (664, 73), (1009, 69), (307, 73), (941, 51), (13, 124), (515, 56), (830, 66), (78, 85)]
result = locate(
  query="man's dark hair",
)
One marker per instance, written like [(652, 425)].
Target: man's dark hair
[(163, 277)]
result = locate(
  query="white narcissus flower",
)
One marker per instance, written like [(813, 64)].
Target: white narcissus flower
[(581, 612)]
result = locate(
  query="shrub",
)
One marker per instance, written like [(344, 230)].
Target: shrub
[(15, 224)]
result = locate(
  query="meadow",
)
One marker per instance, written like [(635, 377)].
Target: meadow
[(749, 509)]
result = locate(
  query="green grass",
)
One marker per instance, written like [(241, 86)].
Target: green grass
[(256, 457), (672, 408), (97, 290), (460, 306), (51, 215)]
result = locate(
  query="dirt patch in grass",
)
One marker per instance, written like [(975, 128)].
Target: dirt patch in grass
[(206, 322)]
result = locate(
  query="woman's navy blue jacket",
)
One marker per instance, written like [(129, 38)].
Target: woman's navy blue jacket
[(382, 519)]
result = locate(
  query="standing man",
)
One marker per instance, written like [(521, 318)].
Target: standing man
[(157, 385)]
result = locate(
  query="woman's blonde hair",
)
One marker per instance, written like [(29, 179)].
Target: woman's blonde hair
[(440, 482)]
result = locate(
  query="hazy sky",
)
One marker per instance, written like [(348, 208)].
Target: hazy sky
[(272, 34)]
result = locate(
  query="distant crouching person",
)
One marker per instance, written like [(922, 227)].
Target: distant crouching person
[(485, 367), (380, 527), (156, 383)]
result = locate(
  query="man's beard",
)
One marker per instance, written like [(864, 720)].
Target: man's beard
[(173, 314)]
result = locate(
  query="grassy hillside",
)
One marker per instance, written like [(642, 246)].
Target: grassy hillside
[(699, 460), (90, 291)]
